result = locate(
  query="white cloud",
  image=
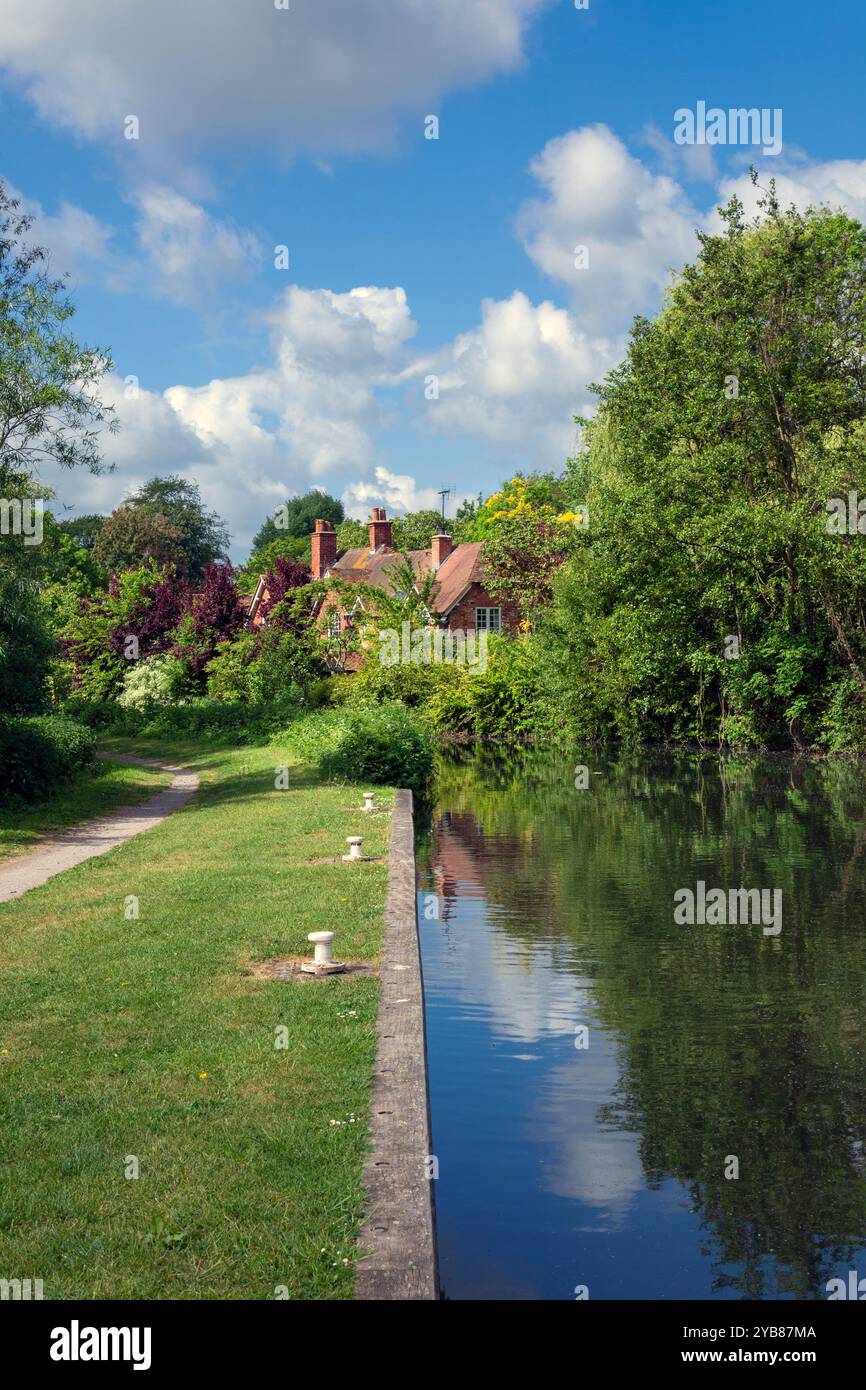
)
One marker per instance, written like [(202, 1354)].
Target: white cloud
[(636, 225), (841, 183), (190, 254), (322, 76), (518, 379), (183, 253), (691, 161), (340, 365), (306, 419), (399, 493)]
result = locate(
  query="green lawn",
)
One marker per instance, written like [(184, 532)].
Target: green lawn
[(155, 1039), (94, 793)]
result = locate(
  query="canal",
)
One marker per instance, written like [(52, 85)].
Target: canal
[(625, 1105)]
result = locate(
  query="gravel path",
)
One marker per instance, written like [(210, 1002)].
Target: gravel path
[(56, 853)]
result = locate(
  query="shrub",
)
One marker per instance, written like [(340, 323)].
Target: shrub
[(264, 667), (332, 691), (38, 754), (216, 720), (385, 745), (158, 680), (412, 684)]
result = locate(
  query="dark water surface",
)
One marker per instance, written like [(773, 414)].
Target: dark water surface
[(605, 1166)]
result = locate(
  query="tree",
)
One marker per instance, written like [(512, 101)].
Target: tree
[(214, 616), (133, 536), (26, 647), (295, 548), (50, 409), (203, 535), (521, 558), (283, 577), (352, 535), (298, 516), (49, 402), (415, 530), (84, 530), (710, 601)]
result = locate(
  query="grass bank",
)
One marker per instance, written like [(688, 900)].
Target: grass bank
[(95, 792), (149, 1045)]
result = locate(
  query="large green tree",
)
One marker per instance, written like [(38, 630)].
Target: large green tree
[(133, 536), (203, 534), (298, 516), (708, 598)]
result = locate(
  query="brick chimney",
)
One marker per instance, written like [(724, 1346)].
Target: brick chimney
[(380, 529), (441, 549), (323, 547)]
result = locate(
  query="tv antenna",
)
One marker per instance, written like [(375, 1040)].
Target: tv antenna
[(444, 493)]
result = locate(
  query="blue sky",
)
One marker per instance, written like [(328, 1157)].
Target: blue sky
[(409, 258)]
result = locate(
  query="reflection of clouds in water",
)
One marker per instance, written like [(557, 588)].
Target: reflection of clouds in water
[(514, 984), (525, 992), (597, 1166)]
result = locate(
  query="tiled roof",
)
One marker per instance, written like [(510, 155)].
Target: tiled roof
[(457, 571)]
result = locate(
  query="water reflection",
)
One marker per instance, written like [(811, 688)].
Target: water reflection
[(606, 1166)]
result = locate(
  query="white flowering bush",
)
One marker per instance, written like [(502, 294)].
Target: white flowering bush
[(157, 680)]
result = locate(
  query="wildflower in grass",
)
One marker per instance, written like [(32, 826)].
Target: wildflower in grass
[(202, 1076)]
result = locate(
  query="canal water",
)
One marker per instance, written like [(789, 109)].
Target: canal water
[(625, 1105)]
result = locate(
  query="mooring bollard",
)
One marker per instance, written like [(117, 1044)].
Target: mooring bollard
[(323, 962), (354, 842), (324, 944), (368, 800)]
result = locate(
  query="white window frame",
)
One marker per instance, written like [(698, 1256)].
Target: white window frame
[(335, 623), (483, 620)]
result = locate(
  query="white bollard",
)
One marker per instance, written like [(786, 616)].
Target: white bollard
[(324, 944), (354, 842), (368, 801)]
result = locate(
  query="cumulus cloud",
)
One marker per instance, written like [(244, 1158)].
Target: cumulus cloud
[(635, 225), (307, 418), (320, 76), (518, 378), (398, 492), (340, 368)]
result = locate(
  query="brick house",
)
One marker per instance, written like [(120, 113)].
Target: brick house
[(460, 600)]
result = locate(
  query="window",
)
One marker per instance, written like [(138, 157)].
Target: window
[(334, 623), (488, 619)]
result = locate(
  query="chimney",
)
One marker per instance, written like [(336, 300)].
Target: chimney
[(441, 549), (323, 548), (380, 529)]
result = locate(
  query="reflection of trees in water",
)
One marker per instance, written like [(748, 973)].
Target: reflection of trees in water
[(729, 1042)]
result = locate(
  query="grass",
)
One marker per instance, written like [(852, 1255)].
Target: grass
[(154, 1040), (94, 793)]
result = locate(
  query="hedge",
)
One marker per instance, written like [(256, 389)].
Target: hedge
[(237, 721), (38, 754)]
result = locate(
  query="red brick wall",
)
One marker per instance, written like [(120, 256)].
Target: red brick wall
[(463, 616)]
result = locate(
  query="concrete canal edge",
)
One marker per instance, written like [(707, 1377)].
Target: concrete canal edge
[(398, 1239)]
